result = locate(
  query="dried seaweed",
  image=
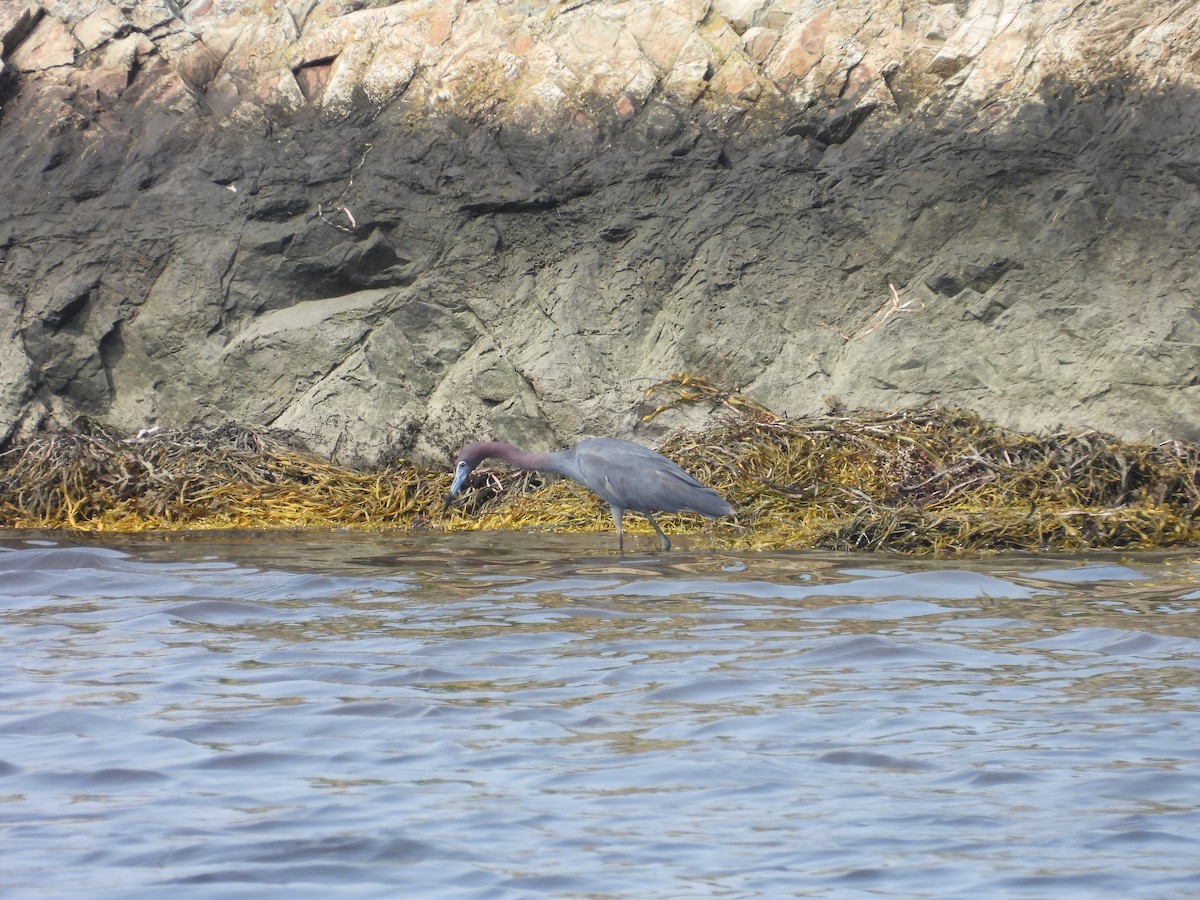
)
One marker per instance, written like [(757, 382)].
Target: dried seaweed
[(914, 481), (943, 480), (227, 477)]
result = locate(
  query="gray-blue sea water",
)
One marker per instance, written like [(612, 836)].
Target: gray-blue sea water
[(513, 716)]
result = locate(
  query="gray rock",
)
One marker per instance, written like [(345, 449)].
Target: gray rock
[(394, 227)]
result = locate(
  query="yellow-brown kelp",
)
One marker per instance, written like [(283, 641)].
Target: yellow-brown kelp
[(227, 477), (917, 481), (939, 480)]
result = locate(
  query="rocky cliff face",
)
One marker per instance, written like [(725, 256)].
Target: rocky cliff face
[(393, 226)]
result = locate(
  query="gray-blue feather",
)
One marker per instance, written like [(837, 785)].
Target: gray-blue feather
[(630, 476)]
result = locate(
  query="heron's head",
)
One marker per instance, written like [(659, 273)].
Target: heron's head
[(471, 456)]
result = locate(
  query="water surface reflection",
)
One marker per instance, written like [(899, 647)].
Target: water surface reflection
[(512, 716)]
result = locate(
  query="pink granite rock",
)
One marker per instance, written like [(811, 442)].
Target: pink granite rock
[(49, 45)]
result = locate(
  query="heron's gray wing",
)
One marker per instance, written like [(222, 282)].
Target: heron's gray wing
[(630, 476)]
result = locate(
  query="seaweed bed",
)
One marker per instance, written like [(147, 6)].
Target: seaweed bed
[(916, 481)]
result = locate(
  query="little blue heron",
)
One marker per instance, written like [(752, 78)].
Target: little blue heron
[(624, 474)]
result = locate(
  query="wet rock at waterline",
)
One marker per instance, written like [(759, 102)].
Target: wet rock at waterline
[(391, 227)]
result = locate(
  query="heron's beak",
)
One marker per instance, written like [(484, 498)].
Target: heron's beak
[(460, 479)]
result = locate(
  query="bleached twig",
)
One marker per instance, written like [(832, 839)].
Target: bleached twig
[(346, 190), (889, 309)]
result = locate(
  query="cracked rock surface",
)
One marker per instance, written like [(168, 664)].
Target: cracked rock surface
[(393, 227)]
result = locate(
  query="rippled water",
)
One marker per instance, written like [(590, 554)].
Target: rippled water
[(519, 716)]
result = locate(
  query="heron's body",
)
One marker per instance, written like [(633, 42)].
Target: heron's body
[(627, 476)]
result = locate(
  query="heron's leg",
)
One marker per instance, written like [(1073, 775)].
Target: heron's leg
[(666, 545), (617, 515)]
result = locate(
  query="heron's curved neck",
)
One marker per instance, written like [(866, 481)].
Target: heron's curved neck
[(527, 459)]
